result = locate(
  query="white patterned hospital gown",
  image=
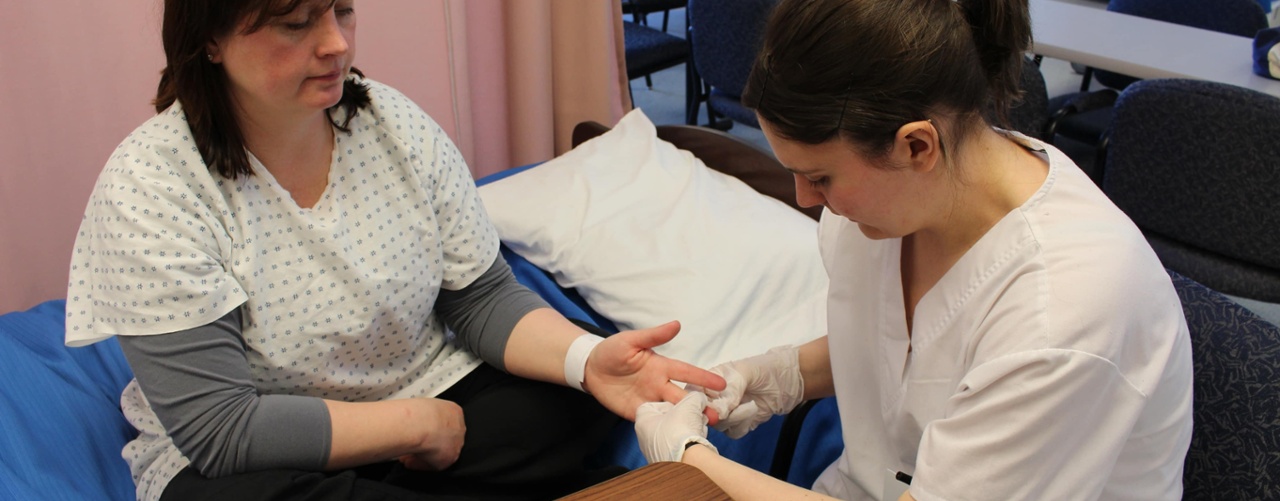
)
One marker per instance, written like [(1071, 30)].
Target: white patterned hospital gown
[(337, 297)]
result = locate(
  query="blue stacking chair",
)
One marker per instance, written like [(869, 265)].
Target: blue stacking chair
[(725, 36), (1196, 165)]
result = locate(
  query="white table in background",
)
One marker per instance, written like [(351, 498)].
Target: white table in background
[(1141, 47)]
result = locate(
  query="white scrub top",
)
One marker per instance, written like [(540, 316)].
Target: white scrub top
[(1051, 362)]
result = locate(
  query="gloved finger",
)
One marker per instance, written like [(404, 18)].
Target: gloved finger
[(652, 410), (743, 419), (727, 400), (692, 403)]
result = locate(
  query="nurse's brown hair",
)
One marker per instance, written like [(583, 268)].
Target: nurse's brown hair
[(200, 86), (860, 69)]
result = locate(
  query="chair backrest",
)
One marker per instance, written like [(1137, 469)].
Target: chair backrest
[(649, 50), (1196, 165), (1234, 17), (726, 35), (1235, 445)]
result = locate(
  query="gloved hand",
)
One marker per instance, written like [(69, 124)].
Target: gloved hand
[(758, 388), (664, 429)]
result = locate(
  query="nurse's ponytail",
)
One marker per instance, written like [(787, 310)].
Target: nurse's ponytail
[(1002, 34)]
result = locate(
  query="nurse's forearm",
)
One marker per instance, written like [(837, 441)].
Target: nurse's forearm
[(742, 483), (815, 368)]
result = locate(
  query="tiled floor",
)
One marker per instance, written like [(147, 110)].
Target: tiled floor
[(664, 103)]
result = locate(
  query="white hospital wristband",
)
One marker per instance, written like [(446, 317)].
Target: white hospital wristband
[(575, 360)]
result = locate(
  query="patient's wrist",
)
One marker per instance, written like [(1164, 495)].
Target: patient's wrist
[(575, 360)]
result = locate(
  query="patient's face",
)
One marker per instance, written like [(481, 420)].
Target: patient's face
[(296, 63), (835, 175)]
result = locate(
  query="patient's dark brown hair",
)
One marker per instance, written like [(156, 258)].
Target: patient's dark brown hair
[(860, 69), (189, 78)]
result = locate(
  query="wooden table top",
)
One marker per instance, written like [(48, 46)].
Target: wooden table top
[(664, 480)]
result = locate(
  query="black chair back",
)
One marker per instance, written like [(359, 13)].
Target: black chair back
[(1196, 165)]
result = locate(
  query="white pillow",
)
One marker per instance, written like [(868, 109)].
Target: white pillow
[(647, 233)]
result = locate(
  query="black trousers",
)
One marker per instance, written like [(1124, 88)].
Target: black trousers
[(525, 440)]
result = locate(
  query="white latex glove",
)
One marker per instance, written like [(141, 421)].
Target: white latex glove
[(758, 388), (664, 429)]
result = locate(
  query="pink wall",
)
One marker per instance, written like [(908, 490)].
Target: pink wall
[(78, 75)]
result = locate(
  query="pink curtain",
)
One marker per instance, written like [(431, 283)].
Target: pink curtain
[(536, 68)]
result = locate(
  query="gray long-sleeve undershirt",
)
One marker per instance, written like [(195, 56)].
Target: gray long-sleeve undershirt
[(198, 382)]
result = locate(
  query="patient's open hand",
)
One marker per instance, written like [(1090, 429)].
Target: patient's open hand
[(624, 372)]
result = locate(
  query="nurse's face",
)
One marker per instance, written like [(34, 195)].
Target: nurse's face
[(874, 194), (296, 63)]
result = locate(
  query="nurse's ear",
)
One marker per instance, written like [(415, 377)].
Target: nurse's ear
[(918, 145), (212, 53)]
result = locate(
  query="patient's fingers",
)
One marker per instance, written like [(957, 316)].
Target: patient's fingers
[(673, 394), (691, 374)]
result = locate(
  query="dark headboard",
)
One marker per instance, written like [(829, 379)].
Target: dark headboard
[(725, 153)]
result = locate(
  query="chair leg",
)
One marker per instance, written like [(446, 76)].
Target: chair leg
[(785, 450), (648, 81), (666, 16), (1100, 159), (1088, 78), (692, 93)]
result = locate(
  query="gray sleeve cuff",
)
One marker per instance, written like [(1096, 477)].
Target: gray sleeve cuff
[(198, 383), (289, 431), (484, 313)]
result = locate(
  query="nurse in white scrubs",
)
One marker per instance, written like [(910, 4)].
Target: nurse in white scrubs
[(997, 328)]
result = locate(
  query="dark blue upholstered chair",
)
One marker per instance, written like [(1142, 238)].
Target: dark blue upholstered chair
[(725, 36), (1196, 165), (649, 51), (1235, 445), (1084, 116), (640, 10)]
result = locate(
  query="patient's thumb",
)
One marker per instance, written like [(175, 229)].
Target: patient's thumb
[(655, 336)]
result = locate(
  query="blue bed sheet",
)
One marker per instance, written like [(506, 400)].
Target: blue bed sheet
[(62, 429)]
